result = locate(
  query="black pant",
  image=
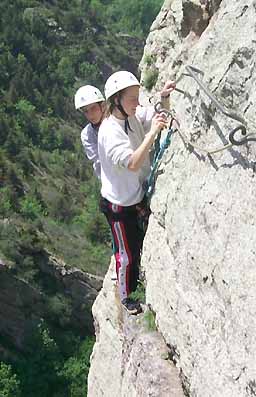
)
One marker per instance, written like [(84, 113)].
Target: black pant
[(128, 227)]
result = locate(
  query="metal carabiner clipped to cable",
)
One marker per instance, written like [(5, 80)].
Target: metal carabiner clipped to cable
[(158, 109), (168, 113)]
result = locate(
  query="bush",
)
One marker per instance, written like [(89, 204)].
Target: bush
[(46, 372), (9, 383), (149, 60), (149, 319), (60, 308), (90, 73), (94, 223), (30, 208), (139, 294), (66, 70), (150, 78), (133, 17), (39, 370), (5, 201), (76, 369)]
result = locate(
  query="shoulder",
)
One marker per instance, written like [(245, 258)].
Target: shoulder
[(85, 130), (111, 134), (89, 135), (110, 126), (103, 127), (109, 122), (145, 113)]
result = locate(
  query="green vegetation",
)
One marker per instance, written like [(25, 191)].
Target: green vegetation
[(133, 17), (46, 183), (149, 60), (48, 193), (47, 370), (9, 383), (139, 293), (151, 72), (149, 320), (150, 78)]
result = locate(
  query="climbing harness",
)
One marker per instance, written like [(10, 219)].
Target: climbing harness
[(159, 149), (193, 73)]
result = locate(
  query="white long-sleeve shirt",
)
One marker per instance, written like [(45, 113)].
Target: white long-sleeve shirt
[(89, 138), (119, 184)]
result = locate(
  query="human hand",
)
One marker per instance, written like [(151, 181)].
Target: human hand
[(168, 88), (159, 122)]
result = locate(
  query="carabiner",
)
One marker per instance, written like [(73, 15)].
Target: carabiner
[(159, 109)]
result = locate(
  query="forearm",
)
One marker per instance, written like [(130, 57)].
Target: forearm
[(139, 155), (165, 93), (165, 101)]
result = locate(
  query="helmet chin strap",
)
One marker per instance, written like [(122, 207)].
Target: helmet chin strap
[(96, 126), (126, 122)]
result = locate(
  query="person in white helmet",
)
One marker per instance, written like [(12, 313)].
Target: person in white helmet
[(90, 101), (124, 142)]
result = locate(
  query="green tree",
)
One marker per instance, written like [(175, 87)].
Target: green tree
[(9, 383), (66, 70), (76, 369), (30, 208), (39, 371), (134, 17)]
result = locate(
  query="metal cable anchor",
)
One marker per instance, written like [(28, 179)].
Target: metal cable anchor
[(192, 72), (247, 137)]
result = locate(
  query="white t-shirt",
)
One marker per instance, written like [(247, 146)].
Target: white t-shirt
[(89, 138), (119, 184)]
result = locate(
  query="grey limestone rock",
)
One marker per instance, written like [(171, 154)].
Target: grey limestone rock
[(199, 251), (128, 359)]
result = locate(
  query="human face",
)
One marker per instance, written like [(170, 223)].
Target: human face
[(130, 100), (93, 112)]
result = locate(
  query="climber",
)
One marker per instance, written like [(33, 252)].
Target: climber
[(125, 139), (90, 101)]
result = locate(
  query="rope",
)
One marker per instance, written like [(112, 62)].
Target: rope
[(159, 152)]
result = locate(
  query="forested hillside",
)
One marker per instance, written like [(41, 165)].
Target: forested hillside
[(48, 194)]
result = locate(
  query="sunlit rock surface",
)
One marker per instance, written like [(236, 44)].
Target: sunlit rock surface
[(199, 252)]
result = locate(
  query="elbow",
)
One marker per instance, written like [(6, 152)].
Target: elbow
[(133, 167), (134, 164)]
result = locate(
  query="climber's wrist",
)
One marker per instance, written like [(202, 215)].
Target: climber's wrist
[(164, 95)]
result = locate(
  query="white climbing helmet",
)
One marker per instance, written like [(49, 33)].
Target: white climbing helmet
[(119, 81), (87, 95)]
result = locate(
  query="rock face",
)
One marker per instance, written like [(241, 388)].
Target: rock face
[(199, 252), (128, 359)]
